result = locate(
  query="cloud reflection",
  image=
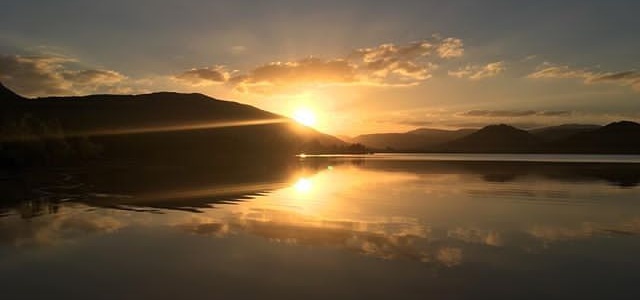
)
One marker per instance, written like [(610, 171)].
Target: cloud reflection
[(385, 239), (57, 229)]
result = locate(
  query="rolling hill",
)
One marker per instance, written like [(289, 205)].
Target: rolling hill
[(616, 138), (159, 126), (494, 139), (415, 140)]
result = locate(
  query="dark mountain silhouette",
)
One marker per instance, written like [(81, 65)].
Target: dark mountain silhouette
[(416, 140), (554, 133), (616, 138), (160, 126), (7, 94), (494, 139)]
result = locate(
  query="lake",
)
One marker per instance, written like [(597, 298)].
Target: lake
[(391, 226)]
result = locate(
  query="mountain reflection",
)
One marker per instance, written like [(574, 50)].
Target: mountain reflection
[(440, 213), (192, 188), (144, 188)]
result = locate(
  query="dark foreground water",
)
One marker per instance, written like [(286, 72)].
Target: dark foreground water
[(373, 227)]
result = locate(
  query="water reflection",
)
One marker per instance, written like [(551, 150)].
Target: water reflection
[(58, 229), (383, 239), (445, 217), (381, 208), (148, 188)]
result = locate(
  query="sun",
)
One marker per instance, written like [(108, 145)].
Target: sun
[(304, 116), (303, 185)]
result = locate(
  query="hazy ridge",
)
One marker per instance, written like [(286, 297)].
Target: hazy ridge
[(616, 138)]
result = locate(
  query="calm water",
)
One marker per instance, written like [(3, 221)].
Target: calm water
[(373, 227)]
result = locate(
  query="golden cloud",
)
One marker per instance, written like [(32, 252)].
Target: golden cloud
[(204, 76), (479, 72), (451, 48), (305, 71), (383, 65), (54, 75)]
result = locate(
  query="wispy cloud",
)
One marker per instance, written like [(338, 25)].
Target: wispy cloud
[(476, 72), (514, 113), (204, 76), (624, 78)]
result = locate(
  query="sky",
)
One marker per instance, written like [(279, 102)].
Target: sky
[(358, 66)]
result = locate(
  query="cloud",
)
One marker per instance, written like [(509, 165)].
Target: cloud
[(547, 70), (498, 113), (451, 48), (204, 76), (479, 72), (308, 70), (555, 113), (238, 49), (383, 65), (630, 78), (33, 75), (93, 77), (514, 113), (624, 78), (47, 75)]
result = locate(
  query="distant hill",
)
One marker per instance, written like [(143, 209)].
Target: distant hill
[(494, 139), (616, 138), (160, 126), (415, 140), (554, 133)]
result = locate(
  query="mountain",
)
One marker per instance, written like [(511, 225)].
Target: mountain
[(555, 133), (616, 138), (494, 139), (7, 94), (415, 140), (159, 126)]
